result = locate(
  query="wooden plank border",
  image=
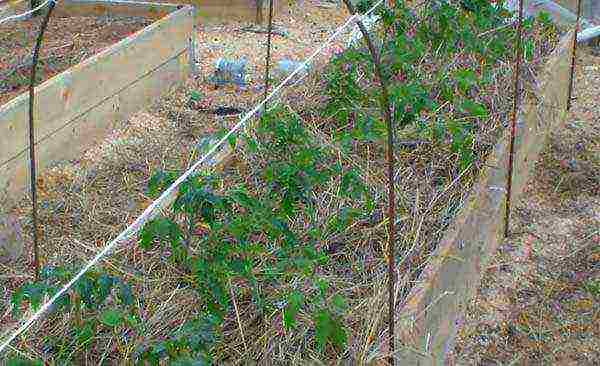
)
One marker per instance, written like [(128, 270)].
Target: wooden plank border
[(95, 8), (242, 10), (76, 107), (14, 7), (432, 313), (208, 10)]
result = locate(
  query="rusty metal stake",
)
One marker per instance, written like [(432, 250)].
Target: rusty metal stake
[(32, 162), (268, 61), (515, 110), (573, 57)]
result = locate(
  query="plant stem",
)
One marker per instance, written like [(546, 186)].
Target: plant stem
[(387, 112), (237, 314)]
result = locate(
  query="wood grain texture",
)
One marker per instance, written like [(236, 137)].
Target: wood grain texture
[(98, 8), (94, 8), (13, 7), (209, 10), (242, 10), (428, 320)]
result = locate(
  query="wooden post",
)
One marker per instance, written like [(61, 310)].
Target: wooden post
[(268, 57), (515, 111), (259, 11)]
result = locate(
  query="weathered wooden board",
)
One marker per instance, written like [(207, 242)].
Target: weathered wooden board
[(558, 13), (208, 10), (76, 106), (94, 8), (13, 7), (81, 87), (236, 9), (428, 321), (245, 10), (72, 139), (589, 8)]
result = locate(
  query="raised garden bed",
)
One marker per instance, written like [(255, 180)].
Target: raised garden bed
[(290, 268), (67, 42), (78, 106)]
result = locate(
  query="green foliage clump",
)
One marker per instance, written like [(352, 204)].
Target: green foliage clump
[(236, 242), (437, 62), (190, 345), (248, 239), (97, 303)]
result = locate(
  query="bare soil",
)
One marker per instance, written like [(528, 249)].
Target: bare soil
[(67, 41), (539, 302)]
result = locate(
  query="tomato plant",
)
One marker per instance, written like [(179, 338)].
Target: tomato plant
[(266, 230), (97, 304)]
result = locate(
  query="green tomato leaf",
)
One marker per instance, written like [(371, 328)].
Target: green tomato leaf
[(132, 320), (105, 284), (328, 328), (339, 303), (18, 361), (474, 109), (529, 49), (466, 79), (159, 181), (17, 299), (323, 286), (195, 96), (323, 328), (85, 333), (294, 303), (62, 303), (161, 229), (125, 294), (232, 140), (112, 318)]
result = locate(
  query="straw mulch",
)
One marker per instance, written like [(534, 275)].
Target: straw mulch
[(88, 202)]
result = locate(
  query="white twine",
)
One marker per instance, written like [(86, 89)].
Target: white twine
[(25, 14), (136, 225)]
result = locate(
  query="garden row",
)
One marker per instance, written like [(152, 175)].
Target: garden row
[(280, 255)]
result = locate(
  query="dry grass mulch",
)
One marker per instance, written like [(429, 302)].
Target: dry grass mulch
[(96, 196)]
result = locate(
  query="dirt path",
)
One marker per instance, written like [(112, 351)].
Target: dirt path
[(539, 302)]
